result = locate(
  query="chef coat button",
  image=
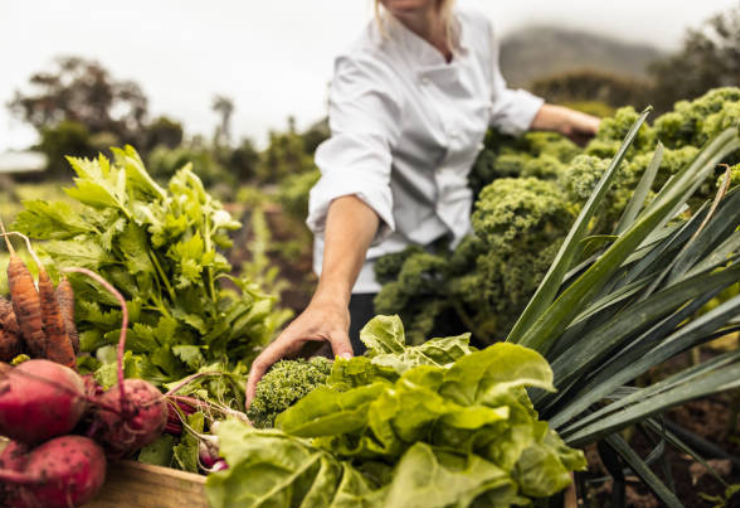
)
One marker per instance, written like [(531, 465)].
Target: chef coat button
[(424, 80)]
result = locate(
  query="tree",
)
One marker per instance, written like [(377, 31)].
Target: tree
[(162, 131), (710, 58), (285, 155), (242, 161), (592, 85), (83, 91), (224, 107)]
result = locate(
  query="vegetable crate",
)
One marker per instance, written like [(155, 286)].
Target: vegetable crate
[(135, 485)]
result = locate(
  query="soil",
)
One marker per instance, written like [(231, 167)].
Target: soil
[(709, 418)]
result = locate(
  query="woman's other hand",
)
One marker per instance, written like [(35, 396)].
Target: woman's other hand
[(578, 127)]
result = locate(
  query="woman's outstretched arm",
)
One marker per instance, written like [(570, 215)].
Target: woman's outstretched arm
[(351, 226)]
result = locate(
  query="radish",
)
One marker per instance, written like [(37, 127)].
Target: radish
[(65, 472), (39, 400), (133, 413)]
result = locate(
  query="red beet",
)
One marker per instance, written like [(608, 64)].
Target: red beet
[(65, 472), (39, 400), (139, 421), (14, 456)]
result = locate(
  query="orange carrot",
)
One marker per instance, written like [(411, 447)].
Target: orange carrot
[(26, 302), (10, 341), (66, 299), (58, 346), (7, 317)]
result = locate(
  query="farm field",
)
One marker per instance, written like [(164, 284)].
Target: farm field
[(577, 346)]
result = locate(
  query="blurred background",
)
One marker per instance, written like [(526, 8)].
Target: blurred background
[(239, 89)]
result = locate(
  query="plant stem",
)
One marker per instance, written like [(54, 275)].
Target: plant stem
[(160, 271), (209, 247), (124, 321)]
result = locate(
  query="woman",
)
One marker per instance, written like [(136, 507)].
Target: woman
[(410, 105)]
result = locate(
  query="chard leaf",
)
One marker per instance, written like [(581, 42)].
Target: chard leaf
[(384, 334), (426, 478), (494, 371)]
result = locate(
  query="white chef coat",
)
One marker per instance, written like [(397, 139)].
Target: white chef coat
[(406, 128)]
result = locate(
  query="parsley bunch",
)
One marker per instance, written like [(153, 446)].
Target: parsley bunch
[(161, 247)]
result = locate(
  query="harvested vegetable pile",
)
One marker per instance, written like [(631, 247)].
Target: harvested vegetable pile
[(161, 248), (430, 426), (43, 402)]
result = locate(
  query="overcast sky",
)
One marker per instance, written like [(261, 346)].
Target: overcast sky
[(272, 57)]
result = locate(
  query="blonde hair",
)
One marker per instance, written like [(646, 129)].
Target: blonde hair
[(445, 8)]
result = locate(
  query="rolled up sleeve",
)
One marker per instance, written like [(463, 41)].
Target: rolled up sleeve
[(364, 117), (512, 111)]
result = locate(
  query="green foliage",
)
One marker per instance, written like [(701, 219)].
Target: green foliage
[(285, 155), (165, 162), (294, 191), (286, 383), (435, 425), (66, 138), (522, 214), (242, 161), (593, 107), (534, 154), (162, 131), (708, 59), (598, 87), (160, 246), (529, 191), (83, 91)]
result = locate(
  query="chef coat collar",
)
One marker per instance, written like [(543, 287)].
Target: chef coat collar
[(421, 53)]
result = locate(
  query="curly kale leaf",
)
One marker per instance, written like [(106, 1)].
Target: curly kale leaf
[(523, 214)]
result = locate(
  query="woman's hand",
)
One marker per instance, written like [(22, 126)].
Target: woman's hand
[(323, 320), (578, 127)]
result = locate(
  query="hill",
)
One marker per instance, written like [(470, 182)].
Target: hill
[(536, 52)]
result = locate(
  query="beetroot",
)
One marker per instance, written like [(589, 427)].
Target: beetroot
[(39, 400), (64, 472), (14, 456), (133, 413), (139, 421)]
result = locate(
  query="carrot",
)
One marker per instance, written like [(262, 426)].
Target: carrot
[(26, 302), (11, 344), (7, 317), (66, 299), (58, 346)]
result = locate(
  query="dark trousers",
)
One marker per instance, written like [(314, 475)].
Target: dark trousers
[(361, 310)]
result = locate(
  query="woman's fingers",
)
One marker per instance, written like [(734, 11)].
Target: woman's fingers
[(341, 345), (284, 346)]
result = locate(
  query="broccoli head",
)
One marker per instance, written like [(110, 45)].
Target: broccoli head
[(286, 383)]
